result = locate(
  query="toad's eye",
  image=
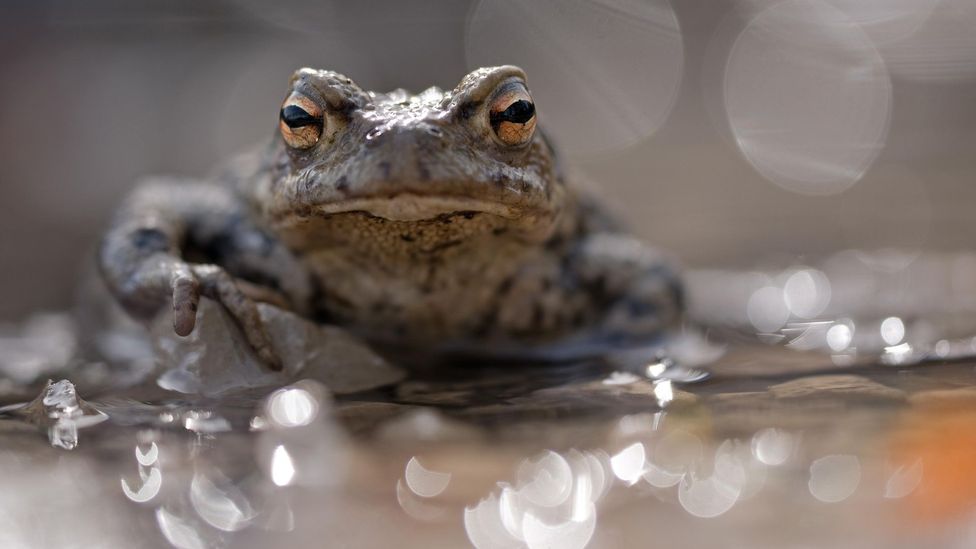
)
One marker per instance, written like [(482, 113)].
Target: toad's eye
[(301, 122), (512, 115)]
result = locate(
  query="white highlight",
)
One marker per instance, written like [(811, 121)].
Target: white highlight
[(151, 483), (292, 407), (839, 337), (767, 310), (773, 446), (808, 97), (834, 478), (425, 482), (282, 467), (628, 464), (904, 480), (807, 293), (892, 330)]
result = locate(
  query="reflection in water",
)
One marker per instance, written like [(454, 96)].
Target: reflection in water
[(904, 480), (178, 531), (150, 476), (736, 450), (711, 496), (628, 465), (425, 482), (773, 446), (834, 478), (224, 507), (552, 504), (282, 467), (887, 306), (292, 407)]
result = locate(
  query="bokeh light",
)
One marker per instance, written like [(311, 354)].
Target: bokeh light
[(942, 49), (892, 330), (292, 407), (628, 464), (808, 97), (834, 478), (282, 467), (425, 482), (711, 496), (604, 75), (773, 446), (767, 309)]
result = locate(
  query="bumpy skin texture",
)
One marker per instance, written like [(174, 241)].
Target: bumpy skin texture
[(409, 222)]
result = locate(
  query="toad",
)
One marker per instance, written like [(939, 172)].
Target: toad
[(441, 222)]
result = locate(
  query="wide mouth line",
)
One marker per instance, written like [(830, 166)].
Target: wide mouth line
[(416, 207)]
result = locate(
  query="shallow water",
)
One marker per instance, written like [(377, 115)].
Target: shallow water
[(784, 445)]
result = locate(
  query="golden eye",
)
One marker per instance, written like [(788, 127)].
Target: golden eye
[(301, 121), (512, 115)]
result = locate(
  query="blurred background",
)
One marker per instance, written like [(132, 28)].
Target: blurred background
[(733, 133)]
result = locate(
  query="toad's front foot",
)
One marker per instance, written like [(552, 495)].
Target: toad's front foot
[(189, 282), (161, 279)]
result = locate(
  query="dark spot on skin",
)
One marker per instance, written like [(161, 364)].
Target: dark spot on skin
[(498, 231), (422, 170), (506, 285), (150, 240), (486, 324), (332, 301), (578, 319), (537, 314), (640, 308), (444, 246), (555, 243), (469, 215), (468, 110), (407, 238), (342, 184)]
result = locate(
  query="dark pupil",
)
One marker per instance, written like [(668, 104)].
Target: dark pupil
[(518, 112), (297, 117)]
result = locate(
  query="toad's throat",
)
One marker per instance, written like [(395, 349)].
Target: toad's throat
[(417, 207)]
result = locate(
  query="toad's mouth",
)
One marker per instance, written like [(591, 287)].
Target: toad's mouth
[(418, 207)]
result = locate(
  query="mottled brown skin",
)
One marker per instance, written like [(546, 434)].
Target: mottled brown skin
[(418, 222)]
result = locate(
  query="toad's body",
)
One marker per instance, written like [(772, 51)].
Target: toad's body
[(435, 222)]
